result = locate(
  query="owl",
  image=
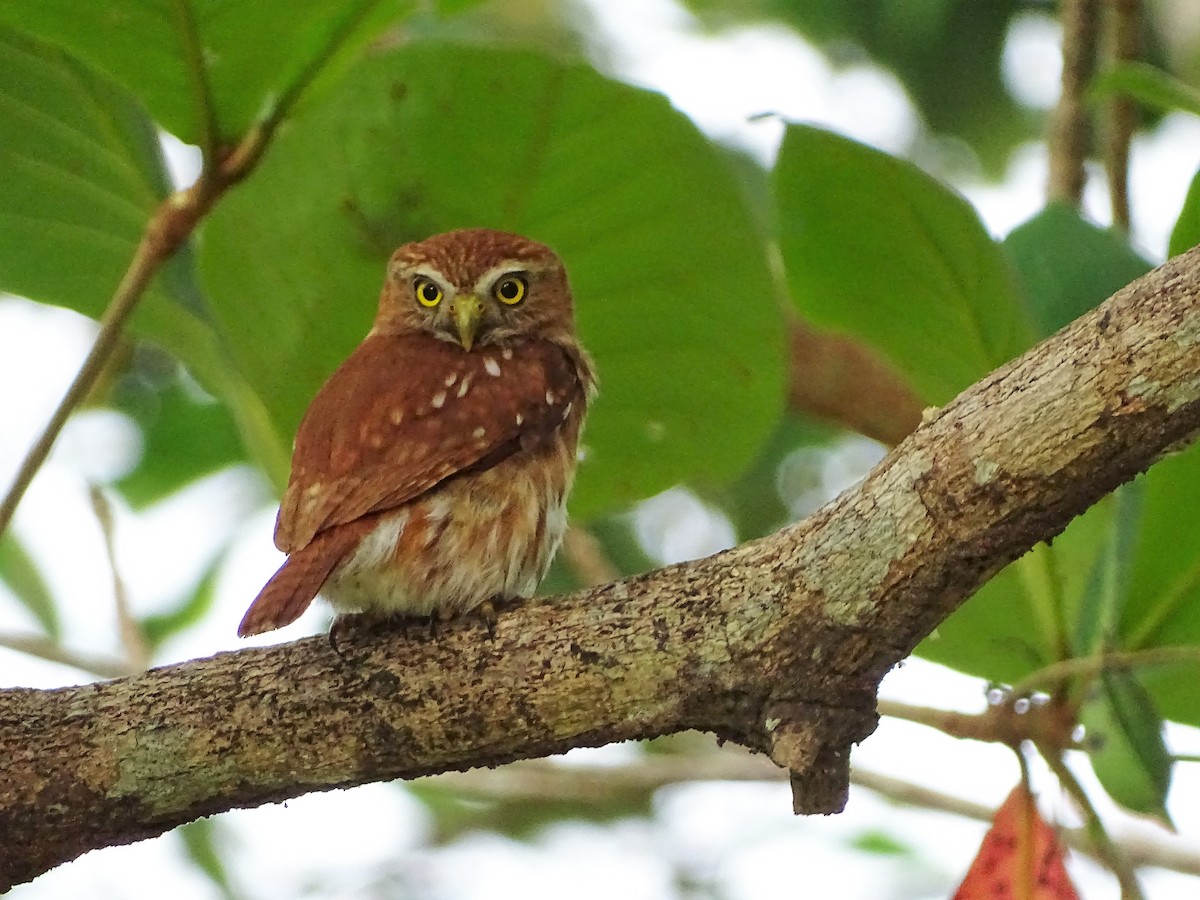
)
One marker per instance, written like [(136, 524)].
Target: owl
[(431, 471)]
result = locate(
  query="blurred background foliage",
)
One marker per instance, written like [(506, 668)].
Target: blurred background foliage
[(692, 262)]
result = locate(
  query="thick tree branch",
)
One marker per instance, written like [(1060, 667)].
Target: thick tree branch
[(778, 644)]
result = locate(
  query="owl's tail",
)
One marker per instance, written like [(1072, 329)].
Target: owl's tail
[(290, 591)]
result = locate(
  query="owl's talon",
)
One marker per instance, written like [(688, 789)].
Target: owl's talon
[(341, 626), (487, 614)]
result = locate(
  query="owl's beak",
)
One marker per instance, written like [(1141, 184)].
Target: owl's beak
[(468, 313)]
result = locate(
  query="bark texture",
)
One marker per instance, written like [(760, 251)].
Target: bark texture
[(778, 644)]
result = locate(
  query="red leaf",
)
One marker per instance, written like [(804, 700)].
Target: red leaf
[(1020, 857)]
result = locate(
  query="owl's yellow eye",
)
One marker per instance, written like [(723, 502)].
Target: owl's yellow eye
[(510, 289), (429, 293)]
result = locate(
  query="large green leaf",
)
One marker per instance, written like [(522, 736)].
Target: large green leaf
[(186, 435), (875, 247), (1069, 265), (83, 172), (1126, 746), (1163, 609), (248, 55), (672, 289), (1024, 618)]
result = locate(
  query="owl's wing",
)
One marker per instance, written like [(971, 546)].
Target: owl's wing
[(404, 413)]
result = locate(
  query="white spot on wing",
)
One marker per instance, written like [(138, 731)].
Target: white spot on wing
[(520, 420), (549, 397), (438, 400), (491, 366), (397, 416), (463, 385), (451, 378), (479, 432), (506, 352)]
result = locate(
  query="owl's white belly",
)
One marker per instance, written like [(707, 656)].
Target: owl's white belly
[(481, 535)]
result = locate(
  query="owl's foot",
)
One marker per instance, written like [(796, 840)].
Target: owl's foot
[(486, 611), (489, 611)]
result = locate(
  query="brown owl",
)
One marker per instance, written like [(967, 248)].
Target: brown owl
[(431, 472)]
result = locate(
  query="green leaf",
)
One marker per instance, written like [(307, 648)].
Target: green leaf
[(201, 843), (1148, 85), (755, 503), (83, 173), (1068, 265), (1024, 618), (253, 54), (1104, 600), (186, 435), (673, 294), (456, 812), (1164, 589), (1186, 233), (20, 574), (158, 628), (875, 247), (1125, 744), (880, 843)]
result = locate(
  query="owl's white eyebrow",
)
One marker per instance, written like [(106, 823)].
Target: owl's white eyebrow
[(432, 274), (508, 267)]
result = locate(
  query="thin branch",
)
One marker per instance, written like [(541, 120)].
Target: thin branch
[(585, 554), (838, 379), (1166, 853), (146, 260), (1069, 127), (778, 644), (551, 781), (130, 632), (1055, 674), (1050, 723), (345, 28), (1124, 40), (172, 224), (45, 648), (202, 97), (1104, 847)]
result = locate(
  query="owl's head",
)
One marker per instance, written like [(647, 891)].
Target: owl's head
[(476, 288)]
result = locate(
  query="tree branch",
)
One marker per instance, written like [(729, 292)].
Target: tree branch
[(778, 644), (1070, 128), (543, 780), (1124, 39)]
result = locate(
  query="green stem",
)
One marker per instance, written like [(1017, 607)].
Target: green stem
[(174, 222), (202, 98), (141, 270), (1039, 575), (1172, 599), (1106, 849), (1054, 674)]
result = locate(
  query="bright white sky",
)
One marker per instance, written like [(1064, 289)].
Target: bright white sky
[(742, 837)]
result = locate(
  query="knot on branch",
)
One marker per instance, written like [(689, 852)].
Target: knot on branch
[(813, 743)]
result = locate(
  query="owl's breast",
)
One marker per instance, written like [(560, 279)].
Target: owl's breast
[(478, 535)]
